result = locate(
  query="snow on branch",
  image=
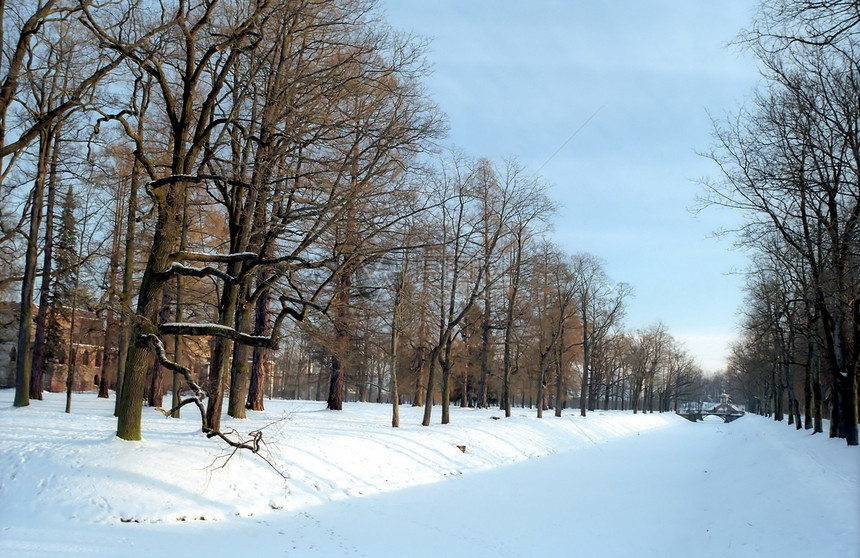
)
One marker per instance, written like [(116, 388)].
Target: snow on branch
[(208, 271), (218, 330), (213, 258)]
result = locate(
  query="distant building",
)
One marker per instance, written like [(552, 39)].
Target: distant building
[(87, 351)]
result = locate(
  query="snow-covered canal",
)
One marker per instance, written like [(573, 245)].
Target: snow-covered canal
[(667, 487), (750, 488)]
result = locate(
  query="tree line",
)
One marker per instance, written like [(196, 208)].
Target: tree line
[(261, 183), (790, 162)]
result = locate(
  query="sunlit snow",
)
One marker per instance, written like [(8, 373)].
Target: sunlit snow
[(610, 484)]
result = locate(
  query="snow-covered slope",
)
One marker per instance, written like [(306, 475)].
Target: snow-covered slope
[(68, 486), (72, 466)]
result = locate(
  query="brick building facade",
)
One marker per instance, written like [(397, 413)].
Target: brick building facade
[(91, 361)]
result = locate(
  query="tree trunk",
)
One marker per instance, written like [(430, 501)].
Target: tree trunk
[(540, 385), (108, 345), (177, 339), (778, 390), (446, 366), (559, 391), (240, 373), (341, 342), (817, 421), (807, 392), (586, 358), (38, 365), (334, 401), (464, 393), (446, 395), (110, 335), (258, 365), (73, 356), (420, 387), (485, 344), (23, 366), (70, 376), (505, 402), (395, 339), (431, 378), (220, 360), (559, 376), (156, 387), (148, 305), (634, 396), (125, 329)]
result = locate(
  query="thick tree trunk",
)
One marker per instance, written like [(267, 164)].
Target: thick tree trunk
[(258, 365), (777, 394), (431, 379), (126, 324), (446, 366), (336, 382), (341, 343), (156, 386), (219, 373), (240, 373), (148, 306), (446, 395)]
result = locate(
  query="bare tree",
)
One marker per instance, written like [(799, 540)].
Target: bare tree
[(43, 77), (792, 165), (601, 307), (556, 288), (188, 92), (648, 353)]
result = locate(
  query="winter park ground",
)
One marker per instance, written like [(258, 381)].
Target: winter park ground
[(610, 484)]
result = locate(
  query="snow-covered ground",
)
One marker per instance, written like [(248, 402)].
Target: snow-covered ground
[(610, 484)]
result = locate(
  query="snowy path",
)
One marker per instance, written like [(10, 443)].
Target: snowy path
[(750, 488)]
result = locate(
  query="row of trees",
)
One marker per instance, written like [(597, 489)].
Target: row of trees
[(791, 163), (540, 365), (239, 172)]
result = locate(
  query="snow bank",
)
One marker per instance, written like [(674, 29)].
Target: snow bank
[(59, 467)]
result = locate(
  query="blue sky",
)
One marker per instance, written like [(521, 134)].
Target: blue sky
[(518, 78)]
